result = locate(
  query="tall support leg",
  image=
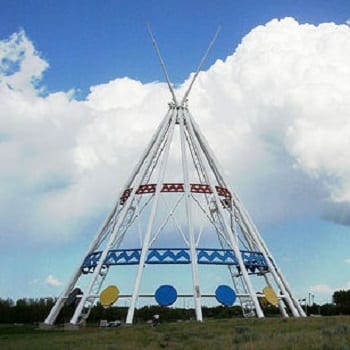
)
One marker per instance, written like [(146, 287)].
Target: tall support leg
[(54, 312), (292, 303), (51, 318), (86, 298), (196, 289), (232, 239), (268, 257), (142, 170), (280, 302), (145, 247), (286, 289)]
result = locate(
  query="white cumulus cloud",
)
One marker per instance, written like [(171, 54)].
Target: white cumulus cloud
[(322, 289), (326, 291), (20, 64), (52, 281), (283, 97), (276, 113)]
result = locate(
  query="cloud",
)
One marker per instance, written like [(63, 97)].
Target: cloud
[(283, 107), (347, 261), (35, 281), (276, 113), (325, 292), (338, 212), (322, 289), (20, 64), (52, 281)]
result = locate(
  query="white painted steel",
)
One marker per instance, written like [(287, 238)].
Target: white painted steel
[(170, 215), (280, 302), (145, 247), (162, 64), (223, 218), (233, 242), (292, 302), (252, 230), (188, 202), (183, 101), (137, 177), (269, 259)]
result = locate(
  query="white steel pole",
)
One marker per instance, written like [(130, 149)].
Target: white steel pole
[(232, 238), (160, 130), (280, 302), (200, 67), (209, 154), (51, 318), (145, 164), (267, 255), (196, 289), (145, 247), (277, 275), (292, 303), (162, 64), (250, 233)]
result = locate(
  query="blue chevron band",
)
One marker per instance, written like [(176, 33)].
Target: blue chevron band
[(254, 261)]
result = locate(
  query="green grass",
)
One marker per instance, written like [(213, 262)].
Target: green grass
[(326, 333)]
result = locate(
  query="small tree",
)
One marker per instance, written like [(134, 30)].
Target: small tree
[(341, 298)]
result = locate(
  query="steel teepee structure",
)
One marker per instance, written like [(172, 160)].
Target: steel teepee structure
[(188, 198)]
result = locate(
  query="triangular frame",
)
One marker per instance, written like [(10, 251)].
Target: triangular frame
[(225, 211)]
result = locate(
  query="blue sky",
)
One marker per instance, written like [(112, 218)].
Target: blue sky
[(81, 48), (111, 36)]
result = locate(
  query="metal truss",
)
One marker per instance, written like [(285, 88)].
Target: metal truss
[(253, 261), (240, 247)]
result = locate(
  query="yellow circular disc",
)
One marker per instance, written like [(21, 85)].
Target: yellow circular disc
[(109, 296), (270, 296), (263, 302)]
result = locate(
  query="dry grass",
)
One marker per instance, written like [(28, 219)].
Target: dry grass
[(327, 333)]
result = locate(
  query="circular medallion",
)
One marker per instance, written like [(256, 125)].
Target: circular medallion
[(166, 295), (270, 296), (225, 295), (109, 296)]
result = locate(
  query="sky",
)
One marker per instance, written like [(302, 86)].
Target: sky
[(81, 92)]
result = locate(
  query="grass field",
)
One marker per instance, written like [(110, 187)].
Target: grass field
[(328, 333)]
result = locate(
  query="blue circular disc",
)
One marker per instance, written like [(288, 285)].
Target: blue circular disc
[(225, 295), (166, 295)]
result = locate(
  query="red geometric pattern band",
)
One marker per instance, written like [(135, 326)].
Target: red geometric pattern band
[(176, 187)]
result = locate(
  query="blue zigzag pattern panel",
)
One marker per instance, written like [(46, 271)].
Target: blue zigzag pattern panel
[(254, 261)]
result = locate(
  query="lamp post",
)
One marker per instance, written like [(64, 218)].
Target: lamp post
[(311, 297)]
